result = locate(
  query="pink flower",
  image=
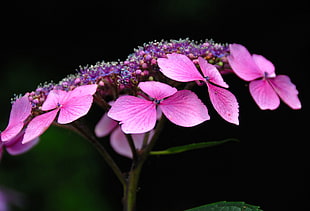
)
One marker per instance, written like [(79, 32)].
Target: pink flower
[(11, 137), (70, 105), (137, 115), (180, 68), (265, 87), (21, 110), (118, 140), (14, 146)]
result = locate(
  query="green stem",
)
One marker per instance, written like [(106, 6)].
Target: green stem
[(145, 140), (130, 189), (132, 147)]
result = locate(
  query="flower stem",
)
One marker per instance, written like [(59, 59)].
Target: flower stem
[(132, 146), (130, 189)]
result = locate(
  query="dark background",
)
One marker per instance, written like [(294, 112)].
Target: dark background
[(44, 41)]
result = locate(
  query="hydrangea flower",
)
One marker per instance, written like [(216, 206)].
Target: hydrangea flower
[(138, 115), (11, 138), (70, 105), (14, 146), (266, 87), (118, 140), (179, 67), (21, 110)]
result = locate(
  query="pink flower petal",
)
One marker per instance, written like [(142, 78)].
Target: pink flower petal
[(264, 65), (157, 89), (242, 63), (286, 90), (59, 97), (38, 125), (135, 114), (225, 103), (105, 126), (120, 144), (21, 109), (211, 72), (264, 95), (179, 67), (83, 90), (15, 146), (54, 99), (74, 108), (185, 109)]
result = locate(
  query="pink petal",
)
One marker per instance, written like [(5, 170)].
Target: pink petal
[(210, 71), (135, 114), (83, 90), (185, 109), (286, 90), (15, 146), (38, 125), (264, 65), (225, 103), (120, 144), (243, 63), (74, 108), (53, 99), (264, 95), (21, 109), (179, 67), (59, 97), (157, 89), (105, 126)]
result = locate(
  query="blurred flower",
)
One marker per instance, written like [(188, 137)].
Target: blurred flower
[(10, 197)]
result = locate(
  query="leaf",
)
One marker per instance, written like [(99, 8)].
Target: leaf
[(184, 148), (227, 206)]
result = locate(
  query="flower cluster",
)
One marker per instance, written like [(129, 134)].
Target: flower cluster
[(149, 84)]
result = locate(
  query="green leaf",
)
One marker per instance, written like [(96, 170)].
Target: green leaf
[(184, 148), (227, 206)]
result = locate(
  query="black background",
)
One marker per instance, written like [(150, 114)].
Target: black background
[(268, 167)]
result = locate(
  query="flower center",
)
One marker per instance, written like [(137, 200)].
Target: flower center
[(156, 101), (59, 105)]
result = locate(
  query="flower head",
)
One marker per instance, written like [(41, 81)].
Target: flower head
[(180, 68), (265, 87), (138, 115)]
